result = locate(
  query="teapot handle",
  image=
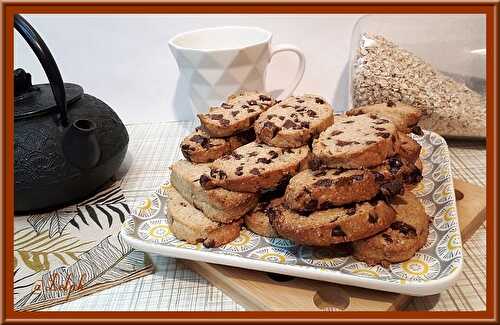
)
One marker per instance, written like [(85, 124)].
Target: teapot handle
[(48, 63)]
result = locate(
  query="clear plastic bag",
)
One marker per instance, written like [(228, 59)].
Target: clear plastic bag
[(433, 62)]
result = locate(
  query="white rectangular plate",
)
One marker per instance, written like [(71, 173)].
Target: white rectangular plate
[(433, 269)]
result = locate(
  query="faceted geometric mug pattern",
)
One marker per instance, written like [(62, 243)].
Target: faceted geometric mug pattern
[(213, 73)]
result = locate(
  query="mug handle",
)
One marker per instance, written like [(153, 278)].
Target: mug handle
[(300, 71)]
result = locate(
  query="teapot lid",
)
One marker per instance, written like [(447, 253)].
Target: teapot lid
[(33, 100)]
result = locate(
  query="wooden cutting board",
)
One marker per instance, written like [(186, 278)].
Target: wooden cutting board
[(255, 290)]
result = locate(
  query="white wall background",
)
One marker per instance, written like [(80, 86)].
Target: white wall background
[(125, 61)]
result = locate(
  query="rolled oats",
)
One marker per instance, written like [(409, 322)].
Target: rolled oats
[(382, 72)]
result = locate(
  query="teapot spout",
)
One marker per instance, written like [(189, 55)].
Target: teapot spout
[(80, 145)]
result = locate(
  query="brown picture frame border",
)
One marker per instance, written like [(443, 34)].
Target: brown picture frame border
[(489, 8)]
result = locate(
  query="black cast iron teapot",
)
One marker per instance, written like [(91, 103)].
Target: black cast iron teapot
[(67, 144)]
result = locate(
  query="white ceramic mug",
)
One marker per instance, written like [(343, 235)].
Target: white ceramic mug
[(217, 62)]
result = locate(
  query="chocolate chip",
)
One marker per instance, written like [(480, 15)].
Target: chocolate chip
[(271, 214), (319, 173), (370, 142), (324, 182), (417, 130), (379, 129), (336, 132), (381, 121), (384, 135), (224, 122), (272, 128), (415, 177), (315, 163), (226, 157), (244, 106), (281, 117), (373, 116), (250, 110), (387, 238), (342, 143), (311, 113), (388, 190), (378, 176), (343, 181), (214, 173), (264, 160), (186, 147), (337, 231), (236, 155), (300, 110), (234, 113), (348, 122), (319, 100), (226, 106), (252, 154), (264, 98), (209, 243), (204, 180), (183, 204), (255, 171), (273, 154), (338, 171), (201, 140), (270, 116), (289, 124), (372, 217), (304, 124), (311, 205), (252, 102), (395, 165), (404, 228), (326, 206), (215, 116), (350, 209), (300, 100), (357, 177), (239, 171), (390, 103)]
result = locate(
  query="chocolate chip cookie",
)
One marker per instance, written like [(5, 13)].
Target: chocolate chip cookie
[(356, 142), (312, 190), (398, 243), (236, 115), (409, 148), (293, 122), (337, 225), (255, 167), (258, 220), (325, 188), (405, 117), (199, 147), (189, 224), (217, 204)]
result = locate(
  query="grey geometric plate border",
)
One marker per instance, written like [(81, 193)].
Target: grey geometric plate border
[(433, 269)]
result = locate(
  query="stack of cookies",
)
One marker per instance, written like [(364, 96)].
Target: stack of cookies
[(292, 169)]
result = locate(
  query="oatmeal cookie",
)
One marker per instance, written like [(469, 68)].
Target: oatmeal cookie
[(236, 115), (398, 243), (217, 204), (294, 122), (334, 226), (255, 167), (200, 147), (189, 224)]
